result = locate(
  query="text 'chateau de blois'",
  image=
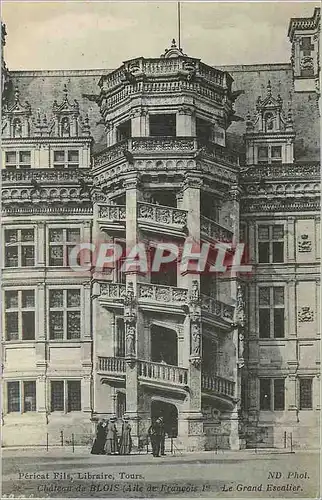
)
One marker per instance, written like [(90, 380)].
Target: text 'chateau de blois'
[(163, 149)]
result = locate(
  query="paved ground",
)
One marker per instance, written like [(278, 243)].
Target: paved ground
[(62, 474)]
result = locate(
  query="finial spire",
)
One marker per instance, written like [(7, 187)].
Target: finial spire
[(269, 88)]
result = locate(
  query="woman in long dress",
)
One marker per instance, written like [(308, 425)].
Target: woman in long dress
[(126, 439), (111, 447), (99, 442)]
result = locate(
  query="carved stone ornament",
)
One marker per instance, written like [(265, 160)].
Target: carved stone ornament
[(195, 295), (195, 340), (304, 244), (305, 315), (240, 307)]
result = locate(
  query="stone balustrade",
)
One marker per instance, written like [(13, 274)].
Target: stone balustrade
[(42, 209), (161, 66), (167, 144), (214, 230), (217, 308), (111, 365), (112, 212), (161, 214), (217, 385), (45, 175), (162, 293), (163, 372), (282, 170), (113, 290)]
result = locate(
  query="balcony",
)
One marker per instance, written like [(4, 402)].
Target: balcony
[(213, 231), (168, 374), (174, 154), (217, 386), (149, 373), (112, 368), (221, 311), (112, 218), (162, 298), (162, 219), (112, 294)]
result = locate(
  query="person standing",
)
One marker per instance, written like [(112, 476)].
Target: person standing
[(111, 446), (154, 433), (126, 439), (162, 436), (100, 439)]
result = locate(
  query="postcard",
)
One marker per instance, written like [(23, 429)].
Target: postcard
[(160, 249)]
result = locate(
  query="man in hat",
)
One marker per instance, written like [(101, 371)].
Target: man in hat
[(154, 432), (162, 436)]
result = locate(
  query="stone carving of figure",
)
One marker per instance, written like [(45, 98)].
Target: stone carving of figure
[(17, 129), (240, 307), (65, 127), (130, 336), (195, 337)]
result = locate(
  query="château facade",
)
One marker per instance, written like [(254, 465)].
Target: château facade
[(163, 150)]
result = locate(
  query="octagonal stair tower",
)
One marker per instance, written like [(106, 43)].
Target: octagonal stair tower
[(167, 343)]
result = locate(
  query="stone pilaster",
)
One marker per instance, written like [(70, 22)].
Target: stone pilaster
[(186, 122)]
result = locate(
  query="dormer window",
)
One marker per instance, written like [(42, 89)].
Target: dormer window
[(263, 154)]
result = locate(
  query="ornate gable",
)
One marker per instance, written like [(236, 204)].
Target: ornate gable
[(66, 117), (16, 118), (269, 134)]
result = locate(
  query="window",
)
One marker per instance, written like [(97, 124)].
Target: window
[(21, 396), (270, 243), (61, 242), (272, 394), (269, 154), (66, 159), (305, 394), (120, 338), (18, 159), (263, 154), (276, 155), (162, 125), (13, 390), (65, 395), (64, 314), (20, 314), (19, 248), (123, 131), (271, 312)]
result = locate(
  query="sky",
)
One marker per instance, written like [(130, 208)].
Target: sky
[(84, 34)]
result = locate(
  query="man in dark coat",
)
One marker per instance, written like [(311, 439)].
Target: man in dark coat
[(154, 433)]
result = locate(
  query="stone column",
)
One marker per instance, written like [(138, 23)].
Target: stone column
[(86, 393), (133, 320), (191, 417), (41, 244), (290, 239), (41, 395), (291, 397)]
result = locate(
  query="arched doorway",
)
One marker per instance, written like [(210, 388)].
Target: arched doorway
[(169, 413), (164, 345)]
